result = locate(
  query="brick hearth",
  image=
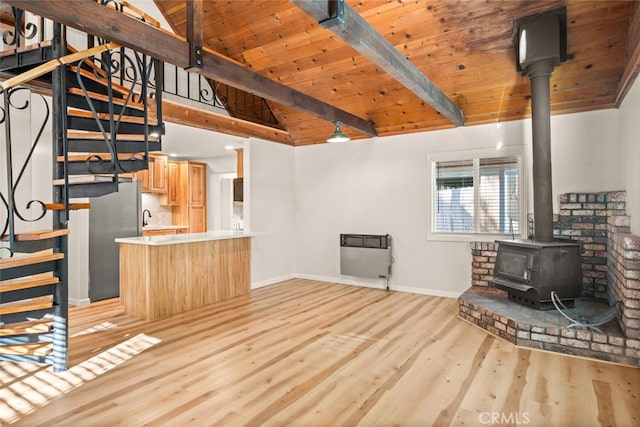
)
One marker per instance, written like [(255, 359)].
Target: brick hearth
[(611, 272)]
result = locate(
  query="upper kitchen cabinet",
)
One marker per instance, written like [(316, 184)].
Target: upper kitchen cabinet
[(154, 179), (172, 195), (158, 173), (192, 195)]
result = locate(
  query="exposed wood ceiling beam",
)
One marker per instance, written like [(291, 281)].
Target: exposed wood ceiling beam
[(357, 32), (194, 33), (101, 21), (176, 112)]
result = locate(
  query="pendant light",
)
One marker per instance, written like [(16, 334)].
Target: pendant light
[(338, 135)]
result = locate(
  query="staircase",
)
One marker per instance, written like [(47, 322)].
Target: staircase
[(110, 129), (29, 292), (105, 121)]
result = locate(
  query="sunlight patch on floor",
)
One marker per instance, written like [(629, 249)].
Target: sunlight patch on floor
[(97, 328), (26, 387)]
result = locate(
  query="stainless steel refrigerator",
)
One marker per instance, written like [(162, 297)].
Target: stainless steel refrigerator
[(111, 216)]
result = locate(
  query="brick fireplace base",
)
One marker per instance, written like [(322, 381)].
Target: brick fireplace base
[(490, 309), (610, 272)]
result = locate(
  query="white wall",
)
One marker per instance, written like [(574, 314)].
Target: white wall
[(269, 209), (630, 165), (585, 153), (380, 186)]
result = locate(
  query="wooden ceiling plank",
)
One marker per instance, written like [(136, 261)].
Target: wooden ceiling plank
[(98, 20), (368, 42)]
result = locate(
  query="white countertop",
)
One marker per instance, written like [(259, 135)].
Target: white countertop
[(173, 239)]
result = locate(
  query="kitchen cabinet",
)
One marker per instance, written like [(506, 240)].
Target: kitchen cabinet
[(239, 162), (158, 173), (162, 230), (143, 176), (197, 218), (192, 197), (159, 232), (154, 179), (171, 197)]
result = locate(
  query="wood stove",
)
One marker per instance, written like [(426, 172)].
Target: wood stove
[(529, 270)]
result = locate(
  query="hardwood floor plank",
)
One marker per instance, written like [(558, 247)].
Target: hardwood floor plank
[(309, 353)]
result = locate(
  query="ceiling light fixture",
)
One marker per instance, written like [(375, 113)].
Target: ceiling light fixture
[(338, 135)]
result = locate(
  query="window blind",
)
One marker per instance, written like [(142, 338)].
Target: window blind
[(477, 196)]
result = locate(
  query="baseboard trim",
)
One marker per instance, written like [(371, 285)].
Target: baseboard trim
[(263, 283), (379, 284), (79, 302)]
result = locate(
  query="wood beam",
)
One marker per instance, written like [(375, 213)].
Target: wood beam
[(194, 33), (101, 21), (176, 112), (353, 29)]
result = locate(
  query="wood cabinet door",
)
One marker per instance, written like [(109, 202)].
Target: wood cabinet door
[(172, 196), (143, 176), (158, 173), (197, 219), (159, 232), (197, 184)]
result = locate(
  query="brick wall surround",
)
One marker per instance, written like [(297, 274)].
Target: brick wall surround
[(611, 272)]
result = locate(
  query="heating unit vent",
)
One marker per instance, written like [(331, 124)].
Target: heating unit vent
[(365, 255)]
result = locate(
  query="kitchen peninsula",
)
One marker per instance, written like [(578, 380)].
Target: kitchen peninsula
[(165, 275)]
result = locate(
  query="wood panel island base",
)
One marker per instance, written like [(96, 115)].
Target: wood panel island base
[(165, 275)]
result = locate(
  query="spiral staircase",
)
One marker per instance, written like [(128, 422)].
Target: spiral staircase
[(105, 119)]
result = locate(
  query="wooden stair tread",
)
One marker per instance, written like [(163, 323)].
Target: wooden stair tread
[(29, 259), (31, 349), (102, 80), (28, 282), (98, 135), (27, 305), (104, 156), (85, 179), (37, 235), (73, 112), (30, 327), (72, 206), (119, 101)]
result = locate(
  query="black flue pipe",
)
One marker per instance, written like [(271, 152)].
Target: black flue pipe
[(540, 74)]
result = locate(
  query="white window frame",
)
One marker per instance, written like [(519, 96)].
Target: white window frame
[(475, 155)]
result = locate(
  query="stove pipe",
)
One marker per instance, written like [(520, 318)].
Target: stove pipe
[(540, 73), (541, 44)]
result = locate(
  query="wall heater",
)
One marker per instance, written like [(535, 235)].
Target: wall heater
[(366, 255)]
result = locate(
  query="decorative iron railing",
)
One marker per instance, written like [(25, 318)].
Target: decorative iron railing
[(26, 27), (235, 102), (19, 100)]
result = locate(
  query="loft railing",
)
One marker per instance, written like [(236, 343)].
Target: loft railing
[(235, 102)]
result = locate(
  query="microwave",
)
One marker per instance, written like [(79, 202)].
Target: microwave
[(238, 187)]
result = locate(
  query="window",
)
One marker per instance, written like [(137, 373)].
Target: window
[(476, 196)]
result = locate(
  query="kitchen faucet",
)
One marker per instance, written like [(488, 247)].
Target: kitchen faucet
[(144, 221)]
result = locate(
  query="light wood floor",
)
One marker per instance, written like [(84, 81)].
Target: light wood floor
[(307, 353)]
